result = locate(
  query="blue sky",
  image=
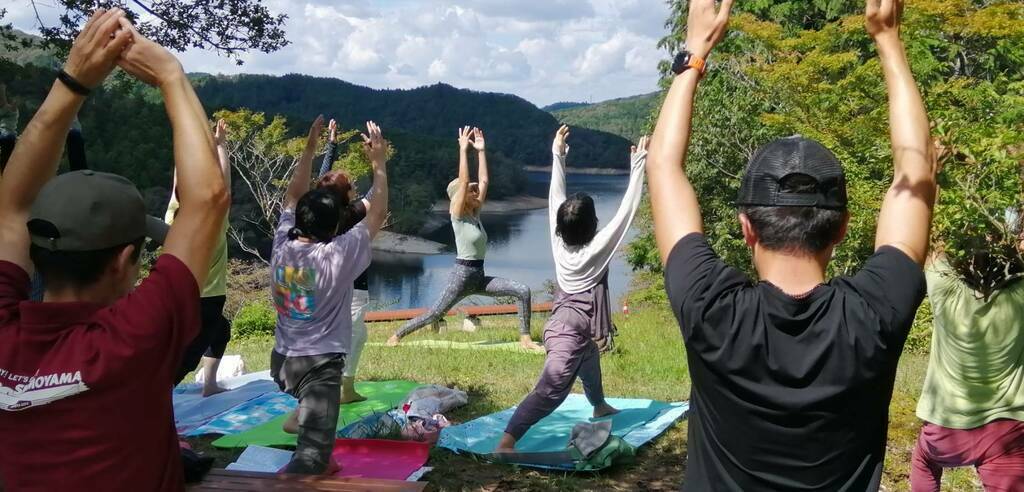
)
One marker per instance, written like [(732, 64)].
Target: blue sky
[(542, 50)]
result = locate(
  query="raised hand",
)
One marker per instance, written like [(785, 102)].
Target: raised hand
[(332, 128), (314, 131), (882, 18), (96, 50), (220, 133), (465, 138), (705, 26), (641, 146), (478, 140), (559, 146), (148, 61), (374, 145)]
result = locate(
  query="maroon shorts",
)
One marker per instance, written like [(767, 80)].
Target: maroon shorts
[(995, 449)]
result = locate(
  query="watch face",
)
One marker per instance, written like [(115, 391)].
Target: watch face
[(682, 62)]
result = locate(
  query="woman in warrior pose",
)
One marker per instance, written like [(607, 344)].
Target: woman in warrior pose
[(468, 278)]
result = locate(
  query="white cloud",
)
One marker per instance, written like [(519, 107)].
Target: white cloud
[(542, 50)]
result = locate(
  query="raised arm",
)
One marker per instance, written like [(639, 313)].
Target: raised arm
[(220, 139), (34, 161), (202, 194), (674, 202), (906, 216), (556, 191), (610, 237), (376, 149), (457, 205), (483, 177), (299, 184), (331, 152)]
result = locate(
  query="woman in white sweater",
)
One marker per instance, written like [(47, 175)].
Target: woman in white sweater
[(582, 310)]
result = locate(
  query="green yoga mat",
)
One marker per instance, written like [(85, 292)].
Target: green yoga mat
[(381, 397), (481, 345)]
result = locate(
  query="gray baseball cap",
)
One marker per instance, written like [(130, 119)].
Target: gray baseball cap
[(89, 211)]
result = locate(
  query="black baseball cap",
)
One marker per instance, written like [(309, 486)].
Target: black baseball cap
[(764, 184), (90, 211)]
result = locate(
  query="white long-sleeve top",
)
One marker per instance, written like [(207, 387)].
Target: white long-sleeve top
[(580, 268)]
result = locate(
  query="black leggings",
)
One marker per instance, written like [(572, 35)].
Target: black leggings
[(213, 338), (75, 143)]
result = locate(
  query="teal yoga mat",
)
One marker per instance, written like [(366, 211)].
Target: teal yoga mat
[(481, 345), (381, 397), (638, 422)]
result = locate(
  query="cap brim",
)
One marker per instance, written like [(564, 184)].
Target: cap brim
[(156, 230)]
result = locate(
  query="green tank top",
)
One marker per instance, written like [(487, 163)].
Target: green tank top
[(470, 237)]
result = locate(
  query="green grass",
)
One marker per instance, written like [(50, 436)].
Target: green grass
[(649, 363)]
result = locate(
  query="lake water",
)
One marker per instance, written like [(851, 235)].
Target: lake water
[(518, 248)]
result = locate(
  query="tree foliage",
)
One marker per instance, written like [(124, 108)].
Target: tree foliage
[(228, 27), (626, 117), (809, 68)]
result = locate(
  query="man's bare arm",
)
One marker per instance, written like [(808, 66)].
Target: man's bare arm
[(905, 219), (674, 203), (376, 149), (37, 154)]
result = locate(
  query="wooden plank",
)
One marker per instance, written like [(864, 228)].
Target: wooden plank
[(497, 310), (221, 480)]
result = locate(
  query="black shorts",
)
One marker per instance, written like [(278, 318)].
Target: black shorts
[(213, 338)]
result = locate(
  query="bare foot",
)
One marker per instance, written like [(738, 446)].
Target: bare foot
[(604, 410), (527, 343), (351, 398), (291, 424), (393, 341), (212, 390), (506, 445)]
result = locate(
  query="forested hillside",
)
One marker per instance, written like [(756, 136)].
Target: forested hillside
[(626, 117), (514, 127)]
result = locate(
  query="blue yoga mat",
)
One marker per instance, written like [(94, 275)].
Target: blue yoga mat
[(252, 413), (191, 410), (638, 422)]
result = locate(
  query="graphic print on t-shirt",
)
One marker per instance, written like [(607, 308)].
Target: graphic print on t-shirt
[(34, 391), (295, 292)]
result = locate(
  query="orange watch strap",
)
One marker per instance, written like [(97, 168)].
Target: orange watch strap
[(697, 63)]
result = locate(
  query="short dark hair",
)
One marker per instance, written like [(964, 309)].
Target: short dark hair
[(796, 229), (76, 269), (317, 215), (576, 222)]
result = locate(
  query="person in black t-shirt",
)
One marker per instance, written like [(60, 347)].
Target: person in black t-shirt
[(792, 376)]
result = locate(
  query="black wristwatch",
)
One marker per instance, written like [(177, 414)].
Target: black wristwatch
[(686, 60)]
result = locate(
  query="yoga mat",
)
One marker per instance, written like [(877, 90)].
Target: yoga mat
[(252, 413), (638, 422), (192, 410), (481, 345), (379, 458), (381, 397), (261, 459)]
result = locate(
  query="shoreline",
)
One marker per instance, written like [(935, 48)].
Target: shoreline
[(587, 171), (510, 205), (393, 242)]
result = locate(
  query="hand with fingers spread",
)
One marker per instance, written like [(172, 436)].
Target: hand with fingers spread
[(148, 61), (96, 50), (478, 140), (559, 147), (465, 138), (332, 129), (705, 26), (641, 146), (374, 145), (882, 18)]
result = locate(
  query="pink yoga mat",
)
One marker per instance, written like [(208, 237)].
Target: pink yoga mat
[(379, 458)]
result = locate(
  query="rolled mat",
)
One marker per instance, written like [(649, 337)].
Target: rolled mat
[(381, 397), (481, 345)]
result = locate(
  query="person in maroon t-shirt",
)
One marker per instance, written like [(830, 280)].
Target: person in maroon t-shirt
[(85, 375)]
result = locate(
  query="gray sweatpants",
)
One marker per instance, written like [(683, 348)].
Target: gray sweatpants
[(316, 381), (571, 353), (466, 280)]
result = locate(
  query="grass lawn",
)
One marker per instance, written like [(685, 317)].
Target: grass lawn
[(649, 363)]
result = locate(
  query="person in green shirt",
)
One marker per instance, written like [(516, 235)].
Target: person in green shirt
[(215, 332), (972, 403)]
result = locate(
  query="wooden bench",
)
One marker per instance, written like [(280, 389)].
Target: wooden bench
[(221, 480)]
